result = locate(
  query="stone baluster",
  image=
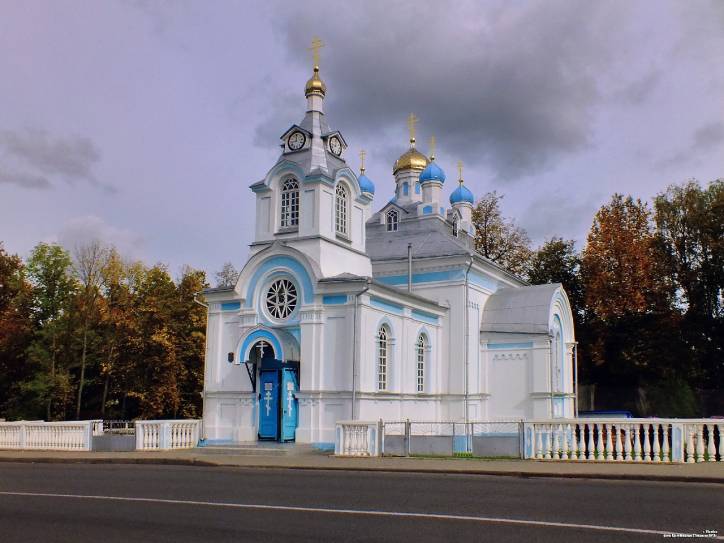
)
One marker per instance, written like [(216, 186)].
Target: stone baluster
[(538, 429), (665, 442), (627, 443), (699, 442), (720, 429), (689, 443), (591, 445), (647, 443), (556, 443), (609, 444), (619, 447), (549, 441), (637, 443), (581, 441), (657, 448), (711, 447), (564, 446), (599, 442)]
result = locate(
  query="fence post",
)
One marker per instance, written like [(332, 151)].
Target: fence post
[(677, 442), (381, 438), (407, 437)]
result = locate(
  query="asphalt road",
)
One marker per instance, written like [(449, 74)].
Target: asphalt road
[(107, 503)]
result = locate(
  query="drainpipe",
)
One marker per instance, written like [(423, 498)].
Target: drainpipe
[(468, 447), (409, 267), (575, 378), (206, 344), (354, 347)]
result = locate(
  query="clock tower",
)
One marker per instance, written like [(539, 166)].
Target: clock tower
[(311, 199)]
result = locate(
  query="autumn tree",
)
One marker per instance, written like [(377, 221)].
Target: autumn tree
[(500, 239), (15, 331), (89, 260), (619, 266)]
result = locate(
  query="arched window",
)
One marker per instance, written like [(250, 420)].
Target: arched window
[(405, 189), (341, 209), (420, 348), (456, 225), (382, 357), (391, 220), (290, 204)]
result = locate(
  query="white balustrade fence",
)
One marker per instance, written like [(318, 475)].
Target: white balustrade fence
[(155, 435), (49, 436), (625, 440), (357, 438)]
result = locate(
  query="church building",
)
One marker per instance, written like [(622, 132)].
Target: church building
[(343, 313)]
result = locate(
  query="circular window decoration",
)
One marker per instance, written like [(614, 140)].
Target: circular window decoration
[(281, 298)]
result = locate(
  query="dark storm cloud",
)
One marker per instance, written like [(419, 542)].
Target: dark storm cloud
[(511, 87), (71, 158), (24, 180), (705, 139), (638, 91)]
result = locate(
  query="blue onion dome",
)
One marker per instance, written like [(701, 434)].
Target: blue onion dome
[(462, 194), (366, 184), (432, 172)]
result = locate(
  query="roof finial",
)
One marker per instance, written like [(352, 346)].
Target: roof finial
[(362, 155), (460, 171), (316, 46), (432, 147), (411, 122)]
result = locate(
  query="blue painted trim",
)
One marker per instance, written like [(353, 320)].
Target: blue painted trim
[(334, 299), (405, 189), (297, 269), (253, 338), (482, 281), (427, 210), (296, 331), (426, 277), (379, 303), (207, 442), (417, 188), (230, 306), (521, 345), (442, 210), (424, 317), (323, 446)]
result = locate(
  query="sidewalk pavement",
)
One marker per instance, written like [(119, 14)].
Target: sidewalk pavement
[(704, 472)]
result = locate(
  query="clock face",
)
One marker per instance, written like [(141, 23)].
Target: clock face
[(335, 145), (296, 141)]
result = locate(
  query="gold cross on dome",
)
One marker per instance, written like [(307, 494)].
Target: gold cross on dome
[(411, 122), (460, 170), (432, 147), (316, 46), (362, 155)]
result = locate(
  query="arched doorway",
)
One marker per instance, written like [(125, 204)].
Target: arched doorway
[(278, 384)]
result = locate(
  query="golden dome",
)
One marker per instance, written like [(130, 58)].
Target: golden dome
[(315, 84), (410, 159)]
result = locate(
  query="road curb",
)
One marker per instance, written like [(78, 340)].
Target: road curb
[(437, 471)]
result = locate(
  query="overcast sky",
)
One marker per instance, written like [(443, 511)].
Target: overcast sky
[(144, 122)]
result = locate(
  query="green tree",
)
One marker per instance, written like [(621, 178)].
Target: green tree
[(500, 239), (557, 261), (690, 235), (49, 271)]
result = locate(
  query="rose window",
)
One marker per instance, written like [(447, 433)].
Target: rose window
[(281, 298)]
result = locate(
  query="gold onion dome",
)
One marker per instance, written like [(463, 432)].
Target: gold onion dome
[(315, 84), (412, 159)]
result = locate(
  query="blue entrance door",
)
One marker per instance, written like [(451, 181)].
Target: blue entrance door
[(269, 404), (290, 413)]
